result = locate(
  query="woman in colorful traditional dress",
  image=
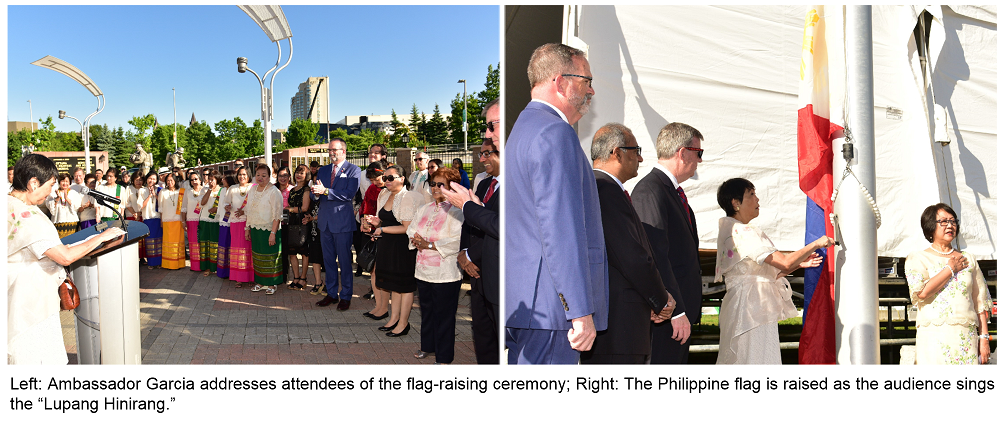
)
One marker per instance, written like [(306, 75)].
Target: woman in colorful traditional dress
[(63, 207), (148, 211), (395, 263), (241, 266), (209, 223), (111, 188), (173, 245), (951, 295), (436, 233), (299, 203), (223, 240), (190, 214), (35, 261), (265, 211)]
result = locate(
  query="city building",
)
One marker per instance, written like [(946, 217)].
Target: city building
[(313, 91)]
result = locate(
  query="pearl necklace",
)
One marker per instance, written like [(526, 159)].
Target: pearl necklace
[(941, 252)]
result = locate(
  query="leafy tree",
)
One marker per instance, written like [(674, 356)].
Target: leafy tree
[(302, 133), (476, 102), (436, 128), (398, 129), (102, 139)]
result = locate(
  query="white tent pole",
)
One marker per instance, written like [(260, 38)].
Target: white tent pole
[(856, 271)]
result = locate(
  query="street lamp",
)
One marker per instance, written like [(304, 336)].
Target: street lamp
[(50, 62), (465, 100), (270, 19), (62, 114)]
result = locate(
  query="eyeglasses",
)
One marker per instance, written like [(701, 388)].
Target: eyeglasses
[(589, 80), (491, 125), (947, 222), (438, 185), (487, 153), (637, 149), (336, 150), (695, 149), (421, 159), (389, 178)]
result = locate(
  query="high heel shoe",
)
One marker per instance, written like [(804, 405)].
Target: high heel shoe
[(388, 327), (376, 317), (402, 333)]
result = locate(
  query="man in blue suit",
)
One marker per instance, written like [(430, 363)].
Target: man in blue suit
[(335, 187), (556, 261)]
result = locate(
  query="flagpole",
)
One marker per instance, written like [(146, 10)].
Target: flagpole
[(856, 290)]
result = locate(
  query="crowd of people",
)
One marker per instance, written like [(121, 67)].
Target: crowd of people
[(267, 228), (598, 275)]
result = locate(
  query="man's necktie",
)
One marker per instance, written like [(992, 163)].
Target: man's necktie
[(687, 209), (490, 191), (628, 196), (334, 169)]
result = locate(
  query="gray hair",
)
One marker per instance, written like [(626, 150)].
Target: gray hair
[(485, 110), (340, 141), (608, 137), (551, 59), (673, 137)]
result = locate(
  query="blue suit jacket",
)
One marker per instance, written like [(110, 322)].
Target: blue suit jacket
[(335, 213), (556, 261)]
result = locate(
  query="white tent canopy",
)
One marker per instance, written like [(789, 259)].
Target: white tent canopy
[(733, 73)]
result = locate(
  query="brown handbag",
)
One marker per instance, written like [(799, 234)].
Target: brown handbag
[(69, 297)]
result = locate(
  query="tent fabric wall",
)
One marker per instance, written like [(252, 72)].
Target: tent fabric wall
[(732, 72)]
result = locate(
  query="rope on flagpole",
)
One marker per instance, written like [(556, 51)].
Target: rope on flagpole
[(848, 152)]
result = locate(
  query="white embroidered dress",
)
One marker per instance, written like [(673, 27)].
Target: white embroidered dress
[(439, 223)]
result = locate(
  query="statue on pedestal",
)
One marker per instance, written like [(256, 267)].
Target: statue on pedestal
[(142, 159), (175, 159)]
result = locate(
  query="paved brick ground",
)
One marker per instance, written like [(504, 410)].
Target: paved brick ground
[(187, 318)]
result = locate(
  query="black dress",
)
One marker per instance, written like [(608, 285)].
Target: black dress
[(296, 200), (395, 262)]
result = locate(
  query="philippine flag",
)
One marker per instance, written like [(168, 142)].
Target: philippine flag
[(821, 118)]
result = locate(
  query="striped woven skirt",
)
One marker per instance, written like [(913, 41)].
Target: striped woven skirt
[(223, 253), (142, 244), (153, 242), (173, 256), (66, 228), (267, 260), (241, 268), (209, 234), (193, 245)]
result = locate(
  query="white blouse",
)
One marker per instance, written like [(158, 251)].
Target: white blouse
[(205, 215), (236, 200), (264, 207), (191, 202), (169, 205), (440, 224), (406, 203), (149, 212), (222, 212), (87, 214), (130, 200), (111, 190), (64, 208)]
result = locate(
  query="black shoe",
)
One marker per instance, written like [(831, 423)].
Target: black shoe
[(369, 295), (376, 317), (402, 333), (359, 271), (388, 327), (328, 300)]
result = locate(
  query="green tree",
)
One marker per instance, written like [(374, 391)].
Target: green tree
[(398, 129), (476, 102), (302, 133), (436, 128)]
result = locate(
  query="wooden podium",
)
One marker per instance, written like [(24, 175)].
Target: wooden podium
[(108, 318)]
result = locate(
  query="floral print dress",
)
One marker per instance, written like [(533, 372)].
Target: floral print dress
[(947, 322)]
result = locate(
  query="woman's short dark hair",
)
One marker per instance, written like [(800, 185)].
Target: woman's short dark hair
[(33, 166), (147, 177), (929, 216), (449, 174), (400, 172), (732, 189), (139, 174), (214, 174), (229, 180), (374, 169), (437, 161), (62, 177), (173, 178)]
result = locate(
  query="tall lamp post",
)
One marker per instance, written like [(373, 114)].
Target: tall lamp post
[(272, 20), (62, 114), (465, 100), (50, 62)]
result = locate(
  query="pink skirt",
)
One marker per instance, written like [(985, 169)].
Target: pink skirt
[(193, 245), (241, 266)]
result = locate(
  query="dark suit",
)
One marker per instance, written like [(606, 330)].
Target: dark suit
[(674, 241), (336, 224), (480, 236), (556, 263), (635, 284)]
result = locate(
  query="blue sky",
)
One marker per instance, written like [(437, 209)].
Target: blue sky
[(378, 58)]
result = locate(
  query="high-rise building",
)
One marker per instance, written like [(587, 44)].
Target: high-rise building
[(307, 93)]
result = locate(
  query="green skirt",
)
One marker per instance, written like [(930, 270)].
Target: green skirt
[(267, 260), (209, 233)]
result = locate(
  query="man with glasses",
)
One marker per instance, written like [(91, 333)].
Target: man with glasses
[(556, 264), (420, 177), (334, 188), (636, 290), (479, 255), (669, 220)]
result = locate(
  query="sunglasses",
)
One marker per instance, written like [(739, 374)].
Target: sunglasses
[(438, 185), (491, 125), (389, 178), (699, 151)]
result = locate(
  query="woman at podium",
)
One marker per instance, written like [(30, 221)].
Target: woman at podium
[(35, 261)]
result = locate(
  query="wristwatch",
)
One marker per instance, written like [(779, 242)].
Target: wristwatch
[(430, 246)]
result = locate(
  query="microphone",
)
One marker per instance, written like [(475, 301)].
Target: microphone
[(101, 196)]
